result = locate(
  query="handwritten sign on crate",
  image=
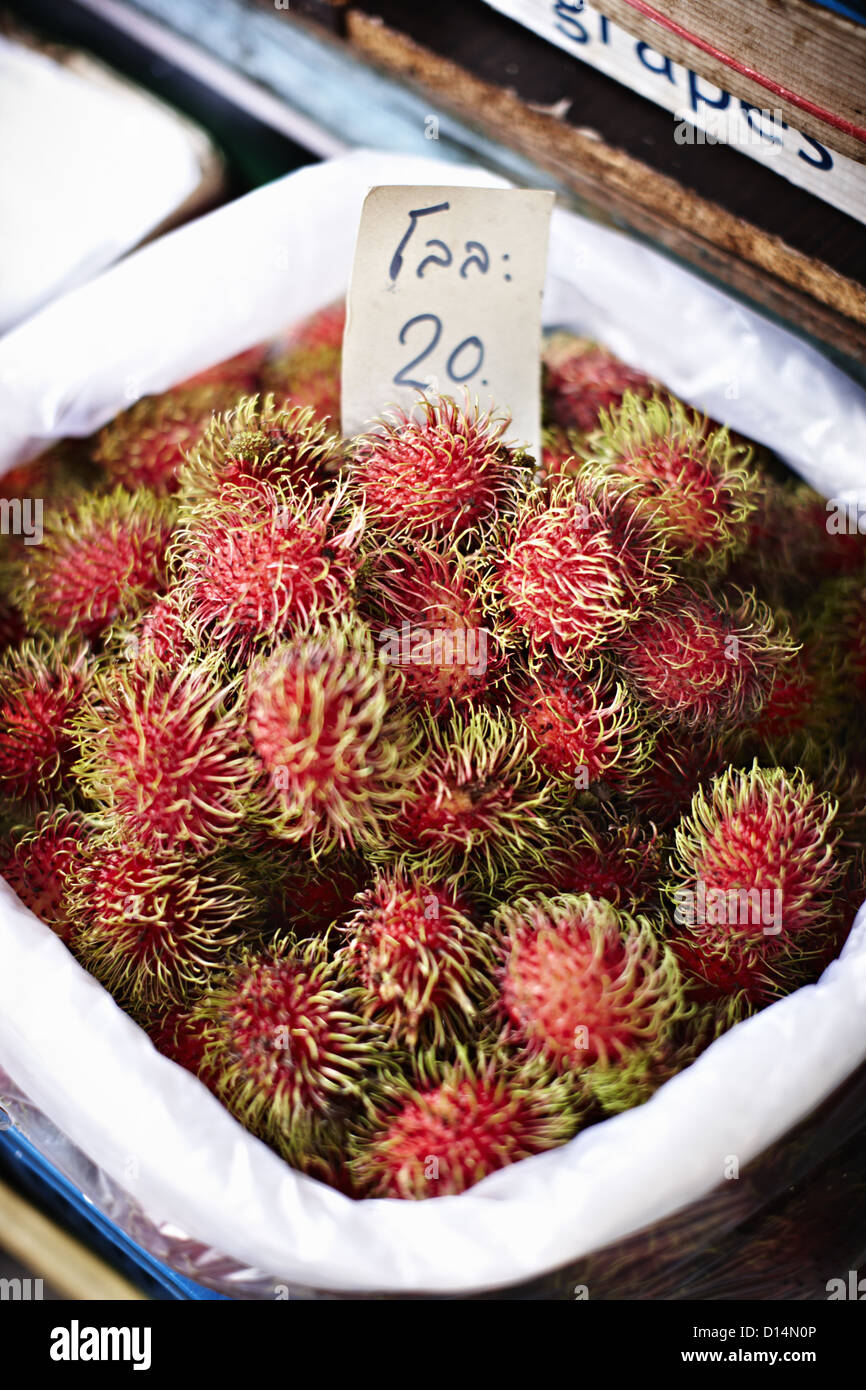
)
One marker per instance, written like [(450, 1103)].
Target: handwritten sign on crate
[(445, 299)]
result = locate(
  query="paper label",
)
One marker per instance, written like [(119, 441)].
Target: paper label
[(446, 299)]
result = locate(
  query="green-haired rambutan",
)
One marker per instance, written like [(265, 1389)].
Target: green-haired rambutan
[(333, 742), (153, 926), (698, 484), (42, 684), (480, 800), (256, 442), (704, 661), (753, 879), (585, 729), (305, 369), (163, 755), (40, 861), (583, 984), (428, 615), (460, 1121), (621, 862), (439, 476), (580, 379), (424, 965), (258, 563), (576, 570), (146, 445), (287, 1045), (98, 563), (160, 633)]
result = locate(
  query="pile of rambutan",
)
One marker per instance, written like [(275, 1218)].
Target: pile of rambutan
[(426, 801)]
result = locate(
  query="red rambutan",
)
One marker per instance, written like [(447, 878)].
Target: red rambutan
[(698, 485), (576, 571), (438, 476), (257, 443), (179, 1035), (424, 965), (677, 768), (753, 879), (163, 755), (257, 564), (583, 983), (584, 729), (332, 739), (153, 927), (306, 369), (40, 861), (146, 445), (581, 379), (41, 688), (437, 1136), (287, 1045), (705, 662), (429, 619), (98, 562), (480, 800), (621, 863)]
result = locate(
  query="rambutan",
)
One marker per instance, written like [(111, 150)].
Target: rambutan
[(154, 926), (42, 684), (439, 476), (584, 729), (145, 446), (287, 1045), (580, 379), (753, 879), (584, 984), (576, 570), (440, 1134), (179, 1035), (41, 860), (254, 443), (480, 799), (305, 370), (163, 755), (303, 895), (98, 563), (705, 662), (334, 743), (698, 484), (678, 766), (160, 633), (424, 965), (257, 564), (621, 863), (429, 618)]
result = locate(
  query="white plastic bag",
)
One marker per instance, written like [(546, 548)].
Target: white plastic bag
[(202, 294)]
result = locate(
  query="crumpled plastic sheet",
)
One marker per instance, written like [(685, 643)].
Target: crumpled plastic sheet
[(141, 1136)]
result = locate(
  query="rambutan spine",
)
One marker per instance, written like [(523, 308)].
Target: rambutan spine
[(42, 685)]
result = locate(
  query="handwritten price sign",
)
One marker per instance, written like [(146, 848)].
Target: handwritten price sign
[(446, 299)]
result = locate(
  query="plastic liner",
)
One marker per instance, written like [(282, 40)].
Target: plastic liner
[(156, 1150)]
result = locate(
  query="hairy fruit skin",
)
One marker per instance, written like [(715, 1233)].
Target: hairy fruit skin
[(584, 729), (257, 443), (581, 379), (41, 862), (465, 1119), (259, 563), (146, 445), (424, 965), (287, 1045), (768, 838), (575, 571), (438, 477), (42, 686), (480, 801), (704, 662), (163, 756), (583, 984), (697, 484), (621, 863), (99, 563), (154, 927), (333, 743)]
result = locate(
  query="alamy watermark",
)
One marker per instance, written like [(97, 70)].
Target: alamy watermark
[(410, 645), (731, 125), (22, 516), (753, 907)]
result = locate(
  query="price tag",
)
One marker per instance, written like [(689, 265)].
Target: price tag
[(446, 299)]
